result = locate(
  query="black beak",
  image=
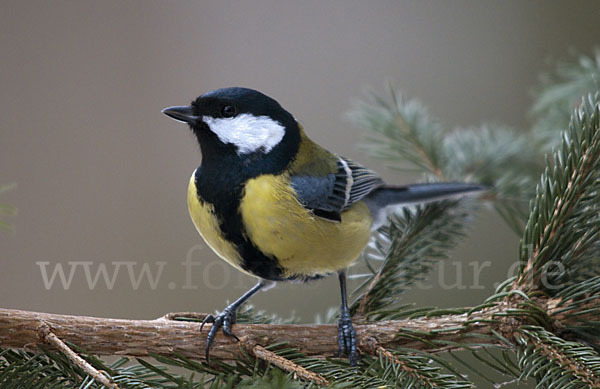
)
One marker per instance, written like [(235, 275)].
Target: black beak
[(181, 113)]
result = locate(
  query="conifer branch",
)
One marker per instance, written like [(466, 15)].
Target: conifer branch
[(140, 338), (286, 365), (432, 332), (557, 360), (408, 248), (564, 225), (404, 366)]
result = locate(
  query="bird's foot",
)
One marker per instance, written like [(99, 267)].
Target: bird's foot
[(223, 320), (347, 338)]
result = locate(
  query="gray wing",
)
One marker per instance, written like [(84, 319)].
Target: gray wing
[(328, 196)]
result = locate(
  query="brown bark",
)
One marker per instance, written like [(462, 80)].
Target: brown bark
[(163, 336)]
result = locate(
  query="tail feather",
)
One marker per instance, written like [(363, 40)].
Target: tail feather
[(381, 200)]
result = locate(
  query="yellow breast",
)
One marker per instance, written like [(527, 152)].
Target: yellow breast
[(206, 222), (302, 243)]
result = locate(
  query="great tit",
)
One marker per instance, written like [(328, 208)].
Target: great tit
[(279, 207)]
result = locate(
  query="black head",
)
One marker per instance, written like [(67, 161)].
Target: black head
[(241, 122)]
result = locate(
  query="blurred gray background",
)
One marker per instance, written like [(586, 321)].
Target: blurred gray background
[(102, 174)]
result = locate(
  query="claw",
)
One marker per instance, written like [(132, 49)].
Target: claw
[(208, 319), (347, 339), (223, 321), (227, 318)]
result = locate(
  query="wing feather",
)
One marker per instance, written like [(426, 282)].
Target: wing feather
[(329, 195)]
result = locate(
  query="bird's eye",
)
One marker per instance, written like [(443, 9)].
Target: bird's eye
[(228, 111)]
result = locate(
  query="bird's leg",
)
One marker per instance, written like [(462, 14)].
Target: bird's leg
[(346, 333), (227, 317)]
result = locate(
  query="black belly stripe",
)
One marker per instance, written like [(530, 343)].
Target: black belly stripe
[(226, 204)]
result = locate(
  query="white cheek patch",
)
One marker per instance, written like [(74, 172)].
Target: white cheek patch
[(247, 132)]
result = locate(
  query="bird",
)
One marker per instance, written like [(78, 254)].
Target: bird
[(278, 206)]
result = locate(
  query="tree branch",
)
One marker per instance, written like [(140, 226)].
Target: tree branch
[(167, 335), (164, 336)]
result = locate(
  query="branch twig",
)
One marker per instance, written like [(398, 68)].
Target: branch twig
[(413, 372), (287, 365), (47, 336)]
